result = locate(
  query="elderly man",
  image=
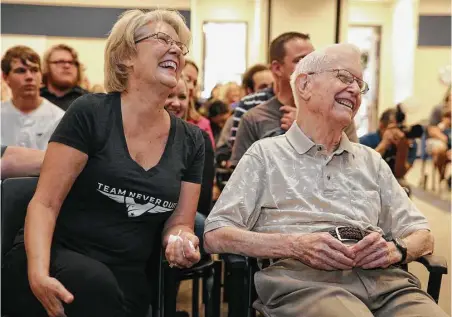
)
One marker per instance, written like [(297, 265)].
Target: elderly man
[(293, 199)]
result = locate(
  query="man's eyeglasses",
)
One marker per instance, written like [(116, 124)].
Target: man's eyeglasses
[(63, 62), (347, 78), (165, 39)]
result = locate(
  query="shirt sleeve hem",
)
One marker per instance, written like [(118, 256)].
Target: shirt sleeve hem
[(411, 228), (216, 224), (71, 143)]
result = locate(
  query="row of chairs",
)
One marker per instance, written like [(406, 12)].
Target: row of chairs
[(17, 192)]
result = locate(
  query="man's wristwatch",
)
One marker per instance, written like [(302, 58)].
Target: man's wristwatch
[(401, 246)]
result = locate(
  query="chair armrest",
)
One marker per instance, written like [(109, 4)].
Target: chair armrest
[(434, 263)]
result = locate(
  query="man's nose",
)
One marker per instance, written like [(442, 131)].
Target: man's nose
[(28, 74), (354, 88)]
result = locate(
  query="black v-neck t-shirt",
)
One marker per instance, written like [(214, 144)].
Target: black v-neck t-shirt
[(115, 208)]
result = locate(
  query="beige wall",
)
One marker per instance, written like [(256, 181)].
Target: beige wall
[(253, 12), (176, 4), (428, 90), (318, 18), (378, 14)]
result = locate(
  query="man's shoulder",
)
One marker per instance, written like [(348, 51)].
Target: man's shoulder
[(263, 108), (6, 106), (269, 147), (365, 152), (52, 109)]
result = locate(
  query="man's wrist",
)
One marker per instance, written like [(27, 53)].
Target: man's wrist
[(396, 255)]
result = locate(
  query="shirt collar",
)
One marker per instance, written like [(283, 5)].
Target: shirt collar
[(302, 144)]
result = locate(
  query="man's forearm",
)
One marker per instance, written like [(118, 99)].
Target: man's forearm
[(419, 243), (248, 243), (381, 148)]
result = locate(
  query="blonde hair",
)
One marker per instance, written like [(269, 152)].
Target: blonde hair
[(46, 61), (121, 45)]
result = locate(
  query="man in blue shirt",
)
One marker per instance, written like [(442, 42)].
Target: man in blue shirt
[(398, 151)]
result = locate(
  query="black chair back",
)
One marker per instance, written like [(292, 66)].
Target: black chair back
[(16, 194)]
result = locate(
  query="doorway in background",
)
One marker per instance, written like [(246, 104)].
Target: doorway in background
[(367, 38)]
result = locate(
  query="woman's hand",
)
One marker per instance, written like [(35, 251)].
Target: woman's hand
[(183, 251), (51, 293)]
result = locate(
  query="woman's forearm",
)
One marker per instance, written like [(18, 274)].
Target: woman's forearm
[(39, 227)]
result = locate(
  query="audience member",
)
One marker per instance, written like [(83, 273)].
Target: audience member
[(230, 93), (276, 115), (392, 144), (256, 78), (177, 104), (19, 161), (215, 93), (118, 170), (62, 76), (194, 117), (218, 115), (27, 119), (326, 216), (191, 73), (437, 143)]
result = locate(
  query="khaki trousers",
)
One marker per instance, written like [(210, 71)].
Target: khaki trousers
[(293, 289)]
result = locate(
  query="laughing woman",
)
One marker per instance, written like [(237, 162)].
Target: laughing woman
[(118, 168)]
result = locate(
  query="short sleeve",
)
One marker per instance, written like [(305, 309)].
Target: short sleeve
[(240, 203), (399, 216), (76, 128), (194, 171)]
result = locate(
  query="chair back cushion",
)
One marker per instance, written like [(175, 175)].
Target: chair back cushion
[(16, 194)]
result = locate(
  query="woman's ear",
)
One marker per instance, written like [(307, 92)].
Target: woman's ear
[(303, 87)]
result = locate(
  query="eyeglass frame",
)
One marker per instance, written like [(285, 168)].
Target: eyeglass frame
[(358, 80), (168, 42)]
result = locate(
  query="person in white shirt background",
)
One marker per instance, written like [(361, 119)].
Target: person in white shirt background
[(27, 120)]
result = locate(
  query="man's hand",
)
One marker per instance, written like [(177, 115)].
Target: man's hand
[(289, 114), (322, 251), (375, 252), (392, 135)]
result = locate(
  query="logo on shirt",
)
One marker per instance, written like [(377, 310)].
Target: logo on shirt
[(146, 204)]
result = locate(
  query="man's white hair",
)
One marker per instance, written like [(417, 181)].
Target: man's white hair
[(320, 60)]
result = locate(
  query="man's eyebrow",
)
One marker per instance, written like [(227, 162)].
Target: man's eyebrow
[(299, 57)]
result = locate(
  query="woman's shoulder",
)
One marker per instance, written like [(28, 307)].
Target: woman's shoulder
[(191, 132), (97, 102)]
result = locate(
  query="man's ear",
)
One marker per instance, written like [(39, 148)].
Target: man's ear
[(303, 87), (275, 67)]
